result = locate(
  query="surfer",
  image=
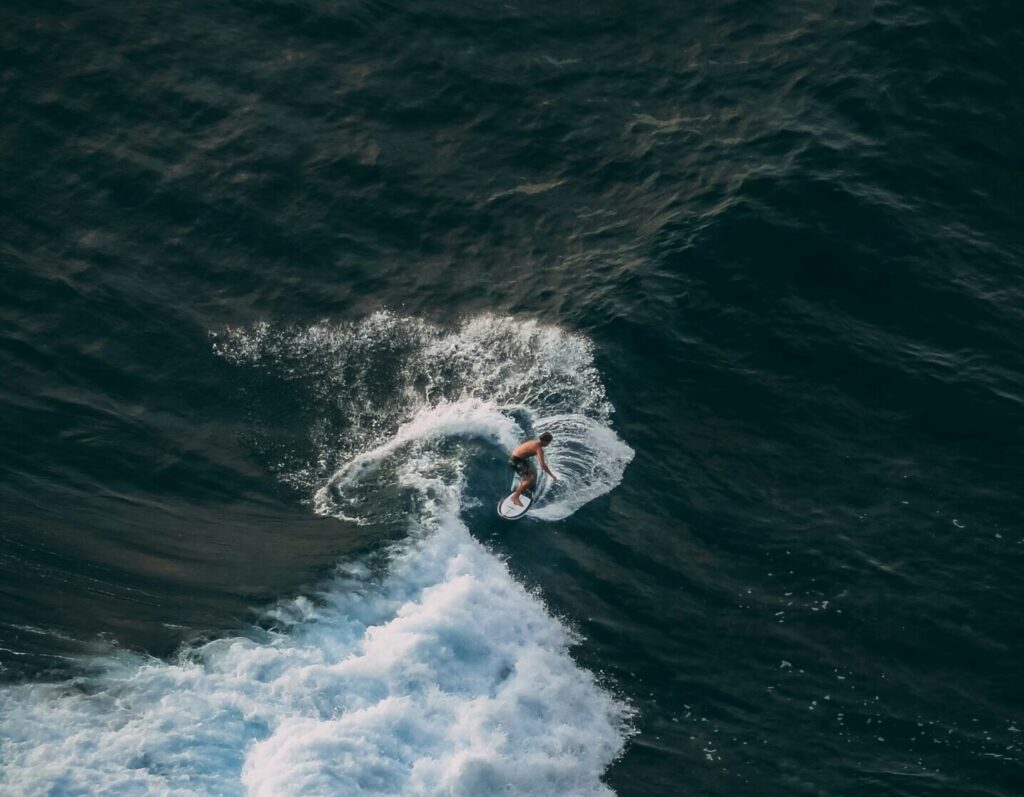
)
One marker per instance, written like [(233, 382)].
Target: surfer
[(519, 461)]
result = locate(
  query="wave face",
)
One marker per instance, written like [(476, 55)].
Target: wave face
[(422, 669)]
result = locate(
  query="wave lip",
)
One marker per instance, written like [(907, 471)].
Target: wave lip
[(389, 391)]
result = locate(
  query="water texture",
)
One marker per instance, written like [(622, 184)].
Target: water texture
[(282, 283)]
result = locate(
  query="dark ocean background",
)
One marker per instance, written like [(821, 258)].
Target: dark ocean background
[(245, 244)]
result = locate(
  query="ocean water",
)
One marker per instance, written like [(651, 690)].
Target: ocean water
[(284, 281)]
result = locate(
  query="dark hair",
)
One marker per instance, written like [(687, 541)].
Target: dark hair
[(546, 437)]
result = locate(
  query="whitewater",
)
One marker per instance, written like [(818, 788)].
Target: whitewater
[(421, 667)]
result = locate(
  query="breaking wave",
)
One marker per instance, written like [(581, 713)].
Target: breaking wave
[(435, 673)]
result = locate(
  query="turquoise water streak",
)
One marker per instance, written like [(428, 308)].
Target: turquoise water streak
[(284, 280)]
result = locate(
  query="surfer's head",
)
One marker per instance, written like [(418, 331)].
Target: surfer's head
[(545, 438)]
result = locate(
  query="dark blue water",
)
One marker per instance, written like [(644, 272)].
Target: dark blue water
[(283, 280)]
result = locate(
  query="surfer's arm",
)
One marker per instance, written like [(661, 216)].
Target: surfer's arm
[(544, 464)]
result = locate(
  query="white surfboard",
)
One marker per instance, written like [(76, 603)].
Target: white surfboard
[(508, 510)]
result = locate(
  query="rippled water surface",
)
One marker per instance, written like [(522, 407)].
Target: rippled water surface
[(283, 281)]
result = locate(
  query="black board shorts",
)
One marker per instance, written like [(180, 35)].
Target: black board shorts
[(521, 467)]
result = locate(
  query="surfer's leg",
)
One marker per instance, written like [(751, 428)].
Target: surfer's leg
[(524, 485)]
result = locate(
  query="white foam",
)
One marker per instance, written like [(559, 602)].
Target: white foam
[(446, 678), (589, 461)]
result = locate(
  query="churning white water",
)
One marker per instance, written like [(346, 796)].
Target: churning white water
[(440, 675)]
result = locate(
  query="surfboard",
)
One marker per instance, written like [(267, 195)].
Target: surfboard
[(508, 510)]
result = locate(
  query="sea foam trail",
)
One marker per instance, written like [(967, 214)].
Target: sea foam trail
[(436, 675), (446, 678)]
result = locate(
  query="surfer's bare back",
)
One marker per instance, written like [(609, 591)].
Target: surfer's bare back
[(519, 462)]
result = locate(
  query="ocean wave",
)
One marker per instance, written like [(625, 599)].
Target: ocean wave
[(421, 669)]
